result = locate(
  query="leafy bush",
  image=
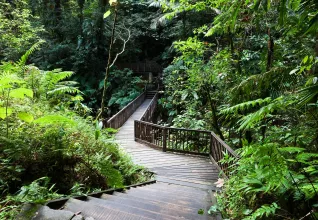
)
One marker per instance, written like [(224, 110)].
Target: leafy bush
[(267, 180), (49, 144)]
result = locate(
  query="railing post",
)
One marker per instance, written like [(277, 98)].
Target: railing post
[(211, 145), (164, 140)]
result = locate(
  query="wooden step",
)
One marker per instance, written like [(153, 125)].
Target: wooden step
[(190, 193), (128, 208), (124, 204), (182, 197), (100, 212), (168, 203), (158, 197), (178, 188), (164, 208)]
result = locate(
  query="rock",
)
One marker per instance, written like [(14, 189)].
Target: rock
[(28, 211), (45, 213)]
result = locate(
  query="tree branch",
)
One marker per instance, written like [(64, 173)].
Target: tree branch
[(124, 46)]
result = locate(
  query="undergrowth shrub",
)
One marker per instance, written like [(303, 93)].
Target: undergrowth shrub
[(270, 182), (48, 149)]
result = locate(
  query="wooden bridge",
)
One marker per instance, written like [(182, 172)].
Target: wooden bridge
[(185, 162)]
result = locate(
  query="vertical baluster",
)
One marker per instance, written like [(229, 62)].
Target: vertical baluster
[(168, 137), (149, 131), (164, 140), (206, 137), (186, 140), (183, 138), (174, 138), (177, 139), (156, 136)]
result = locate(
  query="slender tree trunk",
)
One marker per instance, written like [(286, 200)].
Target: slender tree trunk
[(100, 115), (270, 50)]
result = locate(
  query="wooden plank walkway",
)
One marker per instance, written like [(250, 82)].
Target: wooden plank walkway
[(173, 171), (180, 169), (183, 190)]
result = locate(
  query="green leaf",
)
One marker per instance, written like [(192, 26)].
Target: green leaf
[(27, 117), (200, 211), (107, 13), (305, 59), (4, 113), (293, 71), (195, 95), (184, 96), (247, 211), (292, 149), (21, 92), (97, 134), (54, 119)]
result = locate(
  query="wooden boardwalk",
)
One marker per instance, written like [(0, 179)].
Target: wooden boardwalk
[(173, 171), (183, 188)]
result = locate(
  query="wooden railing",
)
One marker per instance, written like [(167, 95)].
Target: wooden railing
[(122, 116), (218, 150), (148, 114), (173, 139), (189, 141)]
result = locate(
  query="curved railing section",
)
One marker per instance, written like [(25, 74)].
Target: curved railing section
[(189, 141), (122, 116), (149, 113)]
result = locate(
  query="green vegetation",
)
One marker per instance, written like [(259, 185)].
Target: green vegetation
[(48, 144), (245, 69), (250, 75)]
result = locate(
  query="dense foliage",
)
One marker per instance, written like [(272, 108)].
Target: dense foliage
[(46, 141), (250, 75), (245, 69)]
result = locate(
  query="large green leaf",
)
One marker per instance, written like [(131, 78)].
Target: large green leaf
[(27, 117), (5, 112), (107, 13), (21, 92), (53, 119)]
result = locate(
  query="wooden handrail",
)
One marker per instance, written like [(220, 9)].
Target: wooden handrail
[(200, 142), (148, 114), (122, 116)]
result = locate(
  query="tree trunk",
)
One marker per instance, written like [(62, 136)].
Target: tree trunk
[(100, 115), (270, 50)]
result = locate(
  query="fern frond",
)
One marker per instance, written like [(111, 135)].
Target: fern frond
[(63, 90), (25, 56), (57, 75), (307, 95), (245, 105), (264, 210), (277, 81), (250, 120)]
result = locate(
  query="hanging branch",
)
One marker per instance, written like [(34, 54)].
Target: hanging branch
[(124, 46), (108, 65)]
